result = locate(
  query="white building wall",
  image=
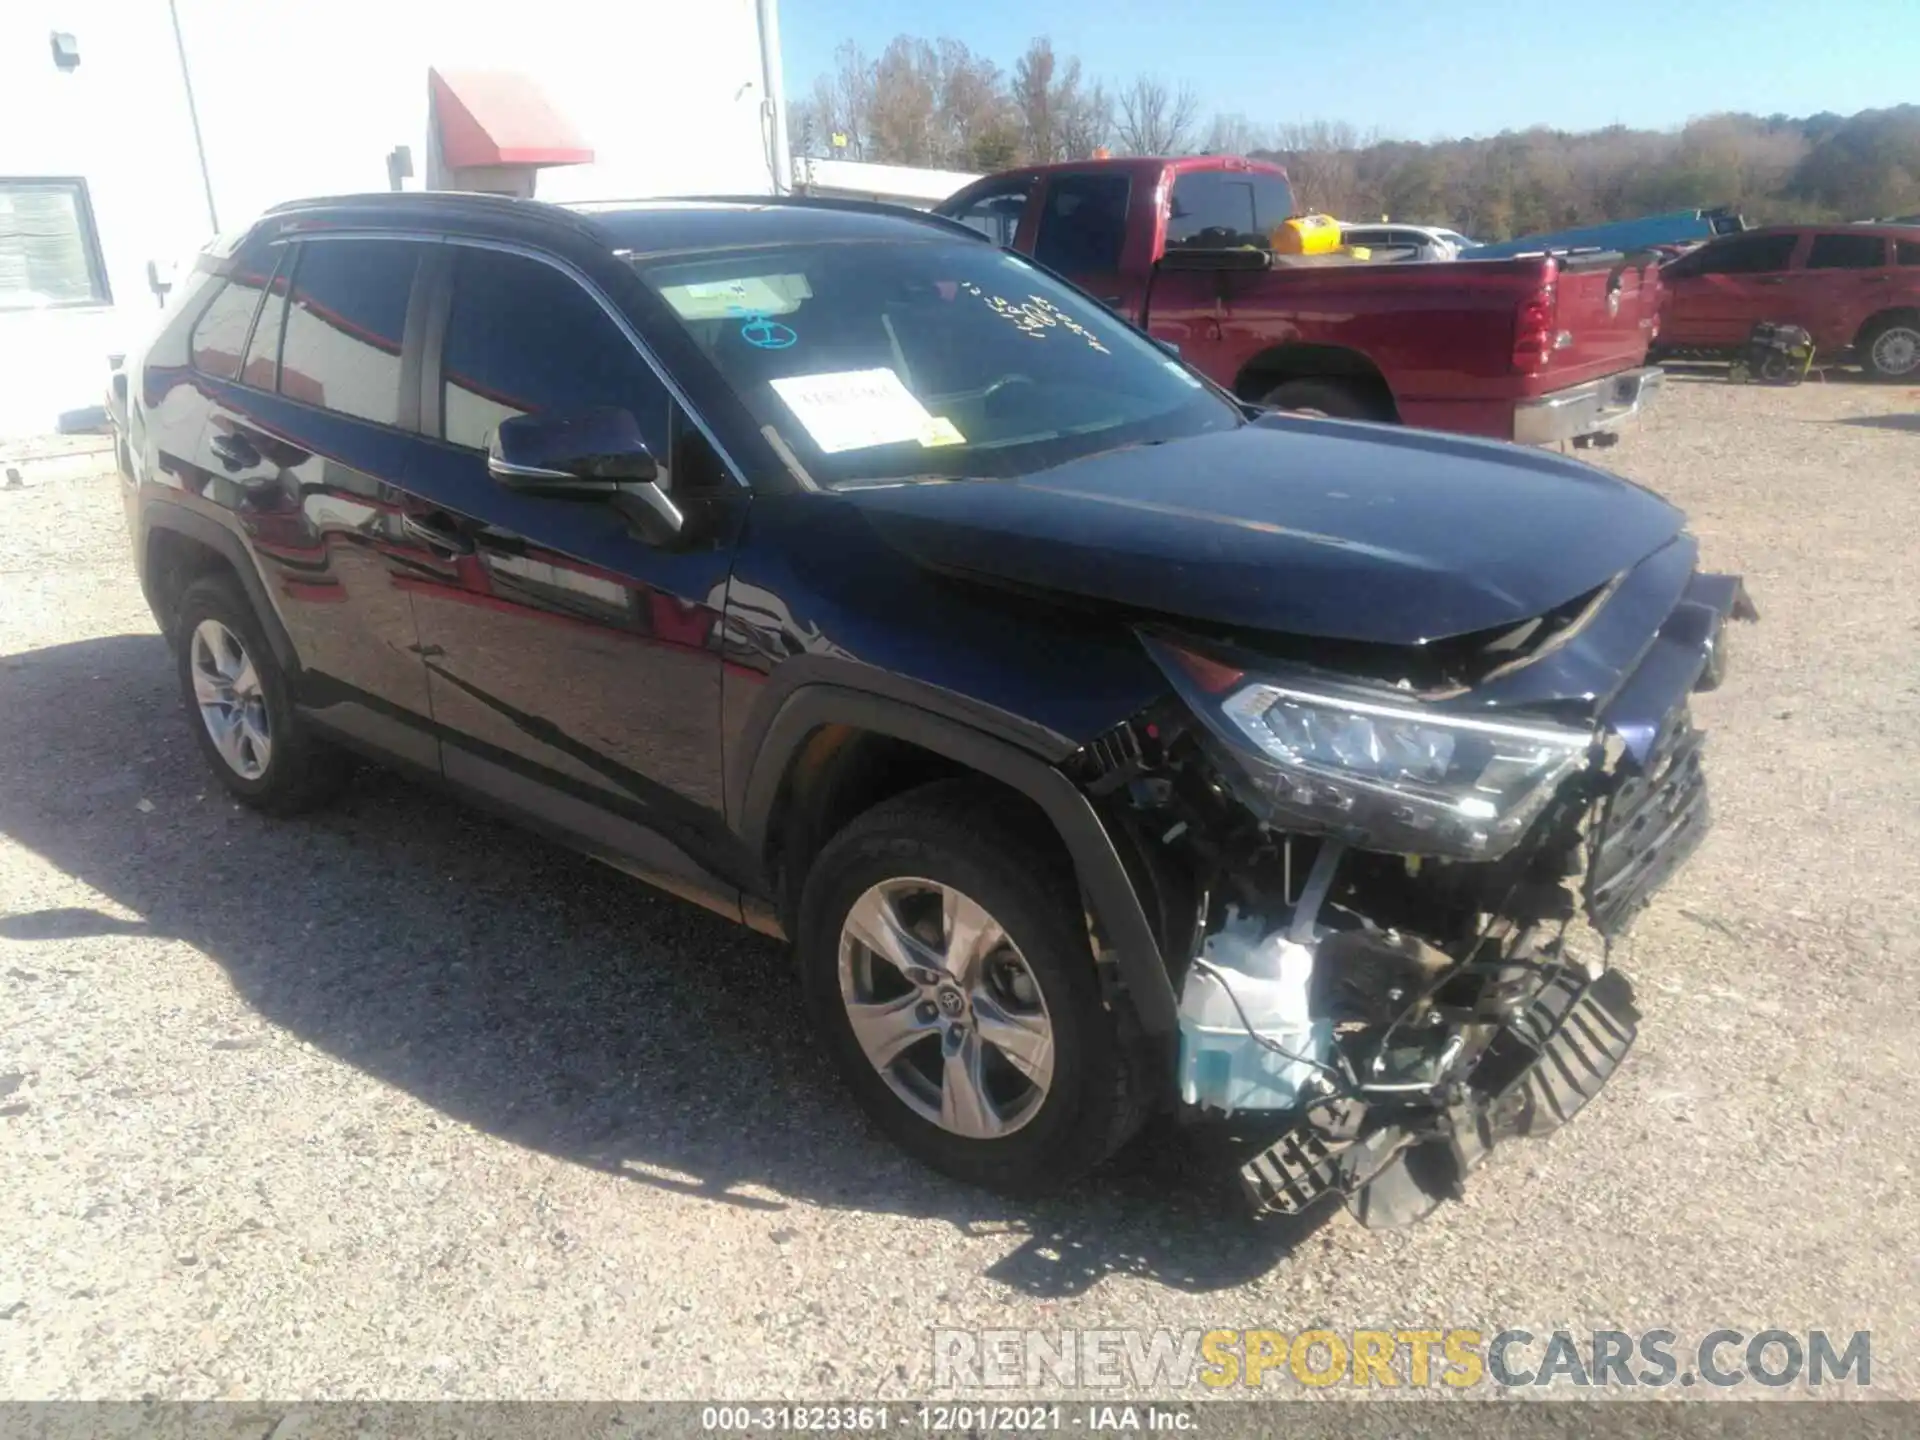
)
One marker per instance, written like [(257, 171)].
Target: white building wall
[(117, 123), (307, 97)]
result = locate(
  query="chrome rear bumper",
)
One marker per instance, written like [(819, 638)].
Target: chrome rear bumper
[(1588, 409)]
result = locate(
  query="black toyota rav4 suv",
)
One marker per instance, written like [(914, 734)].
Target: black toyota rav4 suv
[(1103, 744)]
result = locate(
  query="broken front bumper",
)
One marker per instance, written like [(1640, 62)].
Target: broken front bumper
[(1538, 1074), (1394, 1161), (1590, 409)]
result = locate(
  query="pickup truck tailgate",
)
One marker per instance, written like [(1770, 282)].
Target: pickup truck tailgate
[(1606, 310)]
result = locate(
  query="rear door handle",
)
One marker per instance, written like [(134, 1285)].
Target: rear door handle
[(436, 536), (234, 452)]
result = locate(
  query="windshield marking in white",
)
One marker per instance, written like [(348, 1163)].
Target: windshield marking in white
[(1037, 318)]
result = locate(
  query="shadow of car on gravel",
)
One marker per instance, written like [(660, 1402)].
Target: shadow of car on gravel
[(534, 994)]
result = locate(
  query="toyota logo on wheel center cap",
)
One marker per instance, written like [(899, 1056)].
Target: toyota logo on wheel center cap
[(951, 1002)]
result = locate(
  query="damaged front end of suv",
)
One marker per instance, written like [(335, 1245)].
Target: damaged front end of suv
[(1389, 877)]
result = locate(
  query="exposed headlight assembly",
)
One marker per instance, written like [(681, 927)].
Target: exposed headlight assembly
[(1382, 775)]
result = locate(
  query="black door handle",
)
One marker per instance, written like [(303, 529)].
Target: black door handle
[(234, 452), (435, 536)]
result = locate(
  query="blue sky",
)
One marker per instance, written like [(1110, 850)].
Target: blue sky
[(1422, 69)]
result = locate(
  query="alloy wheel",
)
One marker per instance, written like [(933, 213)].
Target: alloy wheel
[(233, 707), (1896, 351), (946, 1008)]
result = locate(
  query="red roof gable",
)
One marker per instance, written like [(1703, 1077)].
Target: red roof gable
[(499, 118)]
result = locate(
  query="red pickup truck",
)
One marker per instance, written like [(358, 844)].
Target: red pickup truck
[(1851, 287), (1536, 349)]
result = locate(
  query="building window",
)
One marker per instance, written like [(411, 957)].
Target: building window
[(49, 248)]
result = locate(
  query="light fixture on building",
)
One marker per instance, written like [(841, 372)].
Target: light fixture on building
[(66, 51), (399, 166)]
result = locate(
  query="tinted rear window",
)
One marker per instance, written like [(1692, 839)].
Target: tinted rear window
[(1907, 252), (1847, 252), (343, 330), (220, 334), (263, 351), (1225, 209)]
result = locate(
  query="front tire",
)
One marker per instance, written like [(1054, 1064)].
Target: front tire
[(1327, 398), (945, 961), (240, 708)]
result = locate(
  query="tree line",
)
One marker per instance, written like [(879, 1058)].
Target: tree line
[(941, 105)]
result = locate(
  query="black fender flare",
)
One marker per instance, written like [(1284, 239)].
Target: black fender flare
[(164, 515), (1102, 874)]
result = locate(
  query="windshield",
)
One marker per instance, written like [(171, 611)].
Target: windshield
[(878, 362)]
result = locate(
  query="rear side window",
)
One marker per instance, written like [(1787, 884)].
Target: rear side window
[(1225, 209), (1749, 255), (1907, 252), (995, 214), (262, 367), (1083, 225), (1847, 252), (220, 334), (344, 326), (525, 339)]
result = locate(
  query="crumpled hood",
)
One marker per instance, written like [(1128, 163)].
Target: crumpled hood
[(1307, 527)]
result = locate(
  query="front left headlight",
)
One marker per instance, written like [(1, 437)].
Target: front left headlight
[(1381, 775)]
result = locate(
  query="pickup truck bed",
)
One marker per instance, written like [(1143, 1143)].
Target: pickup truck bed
[(1535, 349)]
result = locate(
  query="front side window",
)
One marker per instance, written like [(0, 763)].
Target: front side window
[(1749, 255), (525, 339), (1847, 252), (49, 249), (1226, 209), (878, 363), (995, 214), (1083, 224), (345, 325)]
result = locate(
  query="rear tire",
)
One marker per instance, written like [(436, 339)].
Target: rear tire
[(1329, 398), (934, 857), (1890, 348), (240, 707)]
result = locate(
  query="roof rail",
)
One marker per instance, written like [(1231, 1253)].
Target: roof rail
[(833, 202), (435, 199), (473, 203)]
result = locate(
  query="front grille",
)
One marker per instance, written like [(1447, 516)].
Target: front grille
[(1653, 819)]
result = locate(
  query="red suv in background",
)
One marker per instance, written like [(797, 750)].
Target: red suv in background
[(1851, 286)]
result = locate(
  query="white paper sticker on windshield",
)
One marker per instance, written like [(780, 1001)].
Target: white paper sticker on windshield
[(854, 409), (739, 295)]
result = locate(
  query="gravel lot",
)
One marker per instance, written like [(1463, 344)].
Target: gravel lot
[(399, 1103)]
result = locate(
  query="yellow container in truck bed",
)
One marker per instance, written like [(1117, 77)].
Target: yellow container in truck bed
[(1306, 235)]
